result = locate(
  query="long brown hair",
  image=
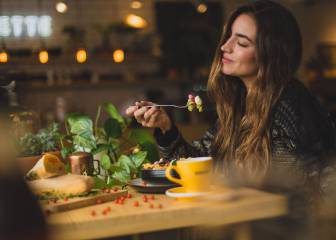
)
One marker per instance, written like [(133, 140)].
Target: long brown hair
[(243, 139)]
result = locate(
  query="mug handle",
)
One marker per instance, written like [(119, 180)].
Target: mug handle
[(170, 177), (94, 169)]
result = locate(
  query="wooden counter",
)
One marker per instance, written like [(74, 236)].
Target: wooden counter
[(127, 219)]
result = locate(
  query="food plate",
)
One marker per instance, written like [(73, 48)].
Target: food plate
[(145, 186)]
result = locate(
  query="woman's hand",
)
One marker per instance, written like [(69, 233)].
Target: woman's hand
[(152, 117)]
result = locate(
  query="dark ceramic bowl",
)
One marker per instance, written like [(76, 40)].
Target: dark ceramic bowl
[(156, 175)]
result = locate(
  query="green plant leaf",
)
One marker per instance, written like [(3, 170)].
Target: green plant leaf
[(121, 176), (115, 168), (141, 135), (146, 142), (100, 148), (101, 135), (105, 162), (152, 151), (114, 146), (112, 128), (99, 183), (66, 151), (113, 112), (82, 125), (112, 182), (138, 158), (128, 121), (83, 142), (72, 117), (127, 164)]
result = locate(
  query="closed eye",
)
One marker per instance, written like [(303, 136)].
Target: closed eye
[(242, 45)]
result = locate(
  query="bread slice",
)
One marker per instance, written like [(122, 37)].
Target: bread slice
[(48, 166), (70, 184)]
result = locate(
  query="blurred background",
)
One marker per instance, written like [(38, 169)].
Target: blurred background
[(72, 55)]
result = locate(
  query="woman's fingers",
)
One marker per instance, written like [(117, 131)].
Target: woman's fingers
[(152, 121), (144, 114), (149, 113), (130, 110), (139, 114)]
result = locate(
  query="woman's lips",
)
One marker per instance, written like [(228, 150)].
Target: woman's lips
[(226, 60)]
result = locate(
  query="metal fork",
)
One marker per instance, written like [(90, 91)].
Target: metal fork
[(166, 105)]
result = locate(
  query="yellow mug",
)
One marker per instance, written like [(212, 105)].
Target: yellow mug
[(195, 173)]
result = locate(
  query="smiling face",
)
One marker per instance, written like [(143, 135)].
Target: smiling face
[(239, 51)]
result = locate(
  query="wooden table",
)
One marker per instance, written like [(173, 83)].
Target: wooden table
[(127, 219)]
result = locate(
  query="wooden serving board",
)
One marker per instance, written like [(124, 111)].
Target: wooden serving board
[(66, 204)]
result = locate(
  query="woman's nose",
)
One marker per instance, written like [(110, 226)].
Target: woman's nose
[(226, 47)]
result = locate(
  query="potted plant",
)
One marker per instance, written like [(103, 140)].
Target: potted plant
[(31, 146), (120, 149)]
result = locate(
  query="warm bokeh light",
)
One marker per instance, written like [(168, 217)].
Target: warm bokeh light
[(3, 56), (136, 4), (118, 55), (43, 56), (81, 55), (135, 21), (61, 7), (202, 8)]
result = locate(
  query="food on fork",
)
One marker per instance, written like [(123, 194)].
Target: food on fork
[(194, 102)]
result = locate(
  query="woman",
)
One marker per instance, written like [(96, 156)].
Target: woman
[(268, 123)]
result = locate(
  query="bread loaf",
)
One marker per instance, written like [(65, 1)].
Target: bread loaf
[(66, 184)]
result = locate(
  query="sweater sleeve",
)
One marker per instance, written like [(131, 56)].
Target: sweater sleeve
[(172, 145)]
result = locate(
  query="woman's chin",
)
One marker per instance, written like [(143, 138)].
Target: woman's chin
[(227, 72)]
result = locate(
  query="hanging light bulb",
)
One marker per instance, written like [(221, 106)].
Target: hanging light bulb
[(3, 56), (43, 56), (135, 21), (202, 8), (81, 55), (136, 4), (119, 55), (61, 7)]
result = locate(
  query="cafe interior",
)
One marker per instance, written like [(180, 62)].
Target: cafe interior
[(71, 68)]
